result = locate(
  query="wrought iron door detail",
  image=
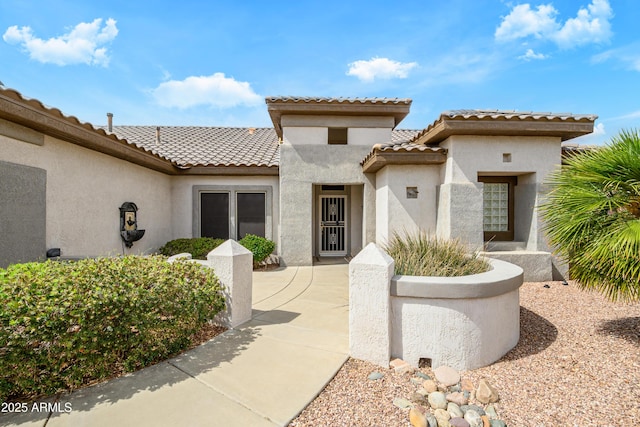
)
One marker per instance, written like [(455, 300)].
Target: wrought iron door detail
[(333, 225)]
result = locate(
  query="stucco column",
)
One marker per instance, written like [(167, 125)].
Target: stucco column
[(296, 215), (370, 274), (233, 264), (460, 211)]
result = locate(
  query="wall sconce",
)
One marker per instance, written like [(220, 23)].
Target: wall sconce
[(129, 224)]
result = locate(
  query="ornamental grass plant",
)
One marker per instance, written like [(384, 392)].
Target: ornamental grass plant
[(418, 254), (68, 324)]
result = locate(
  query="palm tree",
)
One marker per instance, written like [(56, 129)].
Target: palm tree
[(592, 217)]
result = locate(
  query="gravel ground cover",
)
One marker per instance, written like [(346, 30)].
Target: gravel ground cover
[(577, 364)]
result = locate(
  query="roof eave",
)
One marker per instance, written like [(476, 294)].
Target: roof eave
[(445, 127), (278, 107), (32, 114), (228, 170), (379, 159)]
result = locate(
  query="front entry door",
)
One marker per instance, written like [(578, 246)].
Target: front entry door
[(333, 225)]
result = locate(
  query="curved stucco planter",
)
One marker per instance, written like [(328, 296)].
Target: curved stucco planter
[(465, 322)]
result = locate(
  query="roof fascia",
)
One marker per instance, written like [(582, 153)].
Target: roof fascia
[(230, 170), (380, 159), (33, 115), (277, 109), (445, 127)]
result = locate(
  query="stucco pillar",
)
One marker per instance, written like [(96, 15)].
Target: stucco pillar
[(460, 213), (233, 264), (369, 209), (370, 274), (296, 204)]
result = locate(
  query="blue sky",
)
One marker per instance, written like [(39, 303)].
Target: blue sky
[(211, 63)]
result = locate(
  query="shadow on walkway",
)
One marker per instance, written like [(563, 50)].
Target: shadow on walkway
[(221, 349)]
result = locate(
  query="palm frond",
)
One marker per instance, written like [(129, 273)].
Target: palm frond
[(592, 217)]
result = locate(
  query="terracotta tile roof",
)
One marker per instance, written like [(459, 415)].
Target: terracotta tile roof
[(324, 100), (572, 149), (34, 114), (402, 146), (522, 115), (55, 112), (401, 142), (493, 122), (403, 135), (188, 146)]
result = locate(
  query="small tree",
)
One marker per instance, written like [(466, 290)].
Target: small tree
[(592, 217)]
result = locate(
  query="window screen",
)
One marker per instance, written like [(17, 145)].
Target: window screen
[(214, 215), (338, 135), (251, 214)]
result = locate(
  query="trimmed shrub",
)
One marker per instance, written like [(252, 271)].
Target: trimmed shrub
[(418, 254), (64, 324), (259, 246), (198, 247)]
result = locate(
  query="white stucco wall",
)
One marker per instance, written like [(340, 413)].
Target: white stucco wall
[(531, 159), (84, 191), (469, 155), (461, 333), (307, 159), (397, 213), (465, 322), (357, 231)]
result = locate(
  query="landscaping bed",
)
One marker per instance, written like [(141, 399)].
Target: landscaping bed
[(199, 248), (64, 325), (577, 363)]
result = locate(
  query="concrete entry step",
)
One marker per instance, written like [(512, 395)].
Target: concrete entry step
[(494, 246), (537, 265), (331, 260)]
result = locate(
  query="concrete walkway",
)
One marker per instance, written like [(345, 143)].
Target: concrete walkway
[(261, 374)]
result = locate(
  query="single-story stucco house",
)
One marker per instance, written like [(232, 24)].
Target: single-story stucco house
[(332, 175)]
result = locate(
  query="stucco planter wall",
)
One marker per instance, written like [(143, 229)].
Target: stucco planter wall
[(465, 322)]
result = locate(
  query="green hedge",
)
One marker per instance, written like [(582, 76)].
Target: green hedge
[(259, 246), (63, 325), (198, 247)]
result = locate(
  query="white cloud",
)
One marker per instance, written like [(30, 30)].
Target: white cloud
[(628, 55), (597, 137), (523, 22), (632, 115), (530, 54), (598, 129), (591, 25), (380, 68), (84, 44), (215, 90)]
